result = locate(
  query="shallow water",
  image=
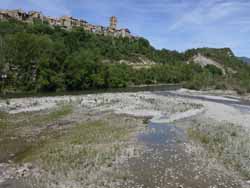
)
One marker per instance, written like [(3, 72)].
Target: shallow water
[(166, 163), (162, 87)]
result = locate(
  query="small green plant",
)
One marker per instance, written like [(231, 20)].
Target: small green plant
[(8, 102), (146, 121), (233, 134), (60, 112)]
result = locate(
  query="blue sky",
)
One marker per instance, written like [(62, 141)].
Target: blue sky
[(171, 24)]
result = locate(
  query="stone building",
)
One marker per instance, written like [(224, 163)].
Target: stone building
[(36, 15), (66, 22), (3, 16), (52, 21), (83, 23), (113, 22), (17, 14), (70, 22), (99, 30), (20, 15)]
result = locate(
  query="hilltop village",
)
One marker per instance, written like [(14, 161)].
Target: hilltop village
[(66, 22)]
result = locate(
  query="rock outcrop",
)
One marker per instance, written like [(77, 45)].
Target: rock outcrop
[(203, 61), (138, 63)]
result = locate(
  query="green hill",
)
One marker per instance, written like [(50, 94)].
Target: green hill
[(38, 58)]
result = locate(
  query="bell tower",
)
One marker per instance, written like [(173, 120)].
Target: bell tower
[(113, 22)]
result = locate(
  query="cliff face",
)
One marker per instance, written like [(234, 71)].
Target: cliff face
[(203, 61), (140, 63)]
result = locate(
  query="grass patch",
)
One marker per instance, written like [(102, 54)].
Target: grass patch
[(227, 142), (33, 118), (20, 132), (77, 154), (3, 121), (59, 113), (93, 141), (80, 152), (36, 119)]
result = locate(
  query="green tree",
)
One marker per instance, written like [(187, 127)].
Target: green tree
[(80, 69)]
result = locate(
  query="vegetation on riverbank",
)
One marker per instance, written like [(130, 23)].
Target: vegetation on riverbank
[(63, 151), (39, 58), (226, 142), (20, 132), (83, 155)]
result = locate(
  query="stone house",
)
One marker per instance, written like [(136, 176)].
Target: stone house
[(83, 23), (99, 30), (66, 22), (125, 33), (89, 28), (51, 21), (18, 14), (3, 16), (36, 15), (70, 22)]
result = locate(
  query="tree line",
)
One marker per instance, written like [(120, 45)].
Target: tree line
[(39, 58)]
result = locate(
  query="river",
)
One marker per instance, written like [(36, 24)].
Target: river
[(166, 162)]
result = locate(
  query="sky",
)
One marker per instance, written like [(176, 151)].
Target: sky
[(171, 24)]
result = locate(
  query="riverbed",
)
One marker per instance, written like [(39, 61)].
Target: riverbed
[(157, 151), (167, 164)]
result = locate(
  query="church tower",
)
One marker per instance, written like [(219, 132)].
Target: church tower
[(113, 22)]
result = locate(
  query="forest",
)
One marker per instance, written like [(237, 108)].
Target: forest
[(38, 58)]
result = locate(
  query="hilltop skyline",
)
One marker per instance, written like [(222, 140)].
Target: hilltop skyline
[(171, 24)]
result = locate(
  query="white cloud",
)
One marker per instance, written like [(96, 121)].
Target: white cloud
[(207, 12)]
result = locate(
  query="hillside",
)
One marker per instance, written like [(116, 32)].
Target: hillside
[(37, 58), (223, 56)]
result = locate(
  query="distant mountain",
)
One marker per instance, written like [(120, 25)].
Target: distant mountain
[(245, 59)]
